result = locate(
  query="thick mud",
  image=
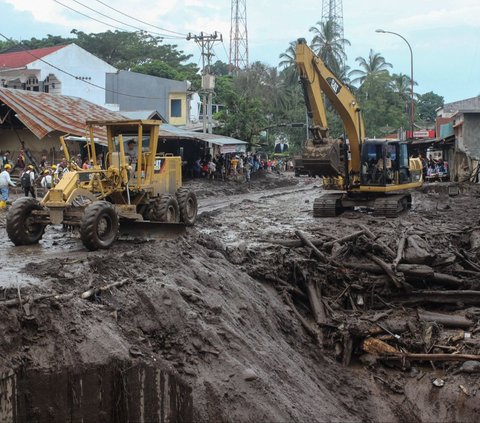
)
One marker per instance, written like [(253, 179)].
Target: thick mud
[(194, 324)]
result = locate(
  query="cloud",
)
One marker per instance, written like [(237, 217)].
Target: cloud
[(54, 13)]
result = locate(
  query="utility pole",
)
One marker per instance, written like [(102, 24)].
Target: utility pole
[(206, 42), (332, 10), (238, 37)]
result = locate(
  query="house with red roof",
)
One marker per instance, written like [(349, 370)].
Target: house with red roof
[(66, 69)]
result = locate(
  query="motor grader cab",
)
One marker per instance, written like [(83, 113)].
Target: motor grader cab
[(368, 173), (137, 192)]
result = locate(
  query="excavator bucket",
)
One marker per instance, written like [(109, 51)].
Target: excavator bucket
[(324, 159), (146, 230)]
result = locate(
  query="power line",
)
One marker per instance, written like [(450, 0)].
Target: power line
[(123, 23), (89, 17), (113, 19), (74, 76), (139, 20)]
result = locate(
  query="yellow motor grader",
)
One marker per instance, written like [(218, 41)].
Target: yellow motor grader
[(135, 191)]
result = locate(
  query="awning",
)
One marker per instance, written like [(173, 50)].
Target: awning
[(226, 144), (43, 113)]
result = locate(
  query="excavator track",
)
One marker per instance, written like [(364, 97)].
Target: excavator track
[(328, 205), (391, 205)]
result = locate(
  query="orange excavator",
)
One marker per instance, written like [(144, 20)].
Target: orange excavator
[(356, 171)]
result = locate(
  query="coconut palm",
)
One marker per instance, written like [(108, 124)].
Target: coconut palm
[(288, 57), (375, 64), (329, 44), (401, 85)]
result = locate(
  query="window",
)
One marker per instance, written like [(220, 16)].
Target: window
[(176, 108)]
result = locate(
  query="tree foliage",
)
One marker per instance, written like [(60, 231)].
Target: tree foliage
[(266, 96)]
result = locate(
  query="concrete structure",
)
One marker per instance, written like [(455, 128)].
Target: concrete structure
[(460, 121), (39, 70), (131, 91)]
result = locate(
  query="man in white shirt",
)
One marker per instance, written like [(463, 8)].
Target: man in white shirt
[(5, 183)]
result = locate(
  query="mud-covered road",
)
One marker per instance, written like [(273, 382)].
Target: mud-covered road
[(193, 321)]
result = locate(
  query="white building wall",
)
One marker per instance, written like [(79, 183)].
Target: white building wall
[(84, 65)]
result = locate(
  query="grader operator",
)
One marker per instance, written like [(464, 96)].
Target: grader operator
[(370, 173), (146, 198)]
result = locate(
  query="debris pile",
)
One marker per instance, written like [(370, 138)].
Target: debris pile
[(395, 291)]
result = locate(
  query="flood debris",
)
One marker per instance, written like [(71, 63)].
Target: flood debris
[(404, 298)]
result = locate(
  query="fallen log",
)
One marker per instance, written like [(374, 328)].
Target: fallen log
[(372, 236), (316, 304), (347, 238), (18, 301), (439, 297), (400, 248), (294, 243), (316, 252), (430, 357), (314, 332), (386, 268), (95, 291), (447, 320), (411, 271)]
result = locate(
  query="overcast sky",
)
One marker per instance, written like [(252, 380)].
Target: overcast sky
[(444, 35)]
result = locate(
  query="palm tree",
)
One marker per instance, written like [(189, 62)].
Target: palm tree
[(289, 71), (401, 85), (374, 65), (288, 57), (329, 45)]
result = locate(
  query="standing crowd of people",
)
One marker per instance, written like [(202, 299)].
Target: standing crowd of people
[(235, 166), (31, 178)]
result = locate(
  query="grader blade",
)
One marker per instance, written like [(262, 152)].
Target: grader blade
[(150, 230)]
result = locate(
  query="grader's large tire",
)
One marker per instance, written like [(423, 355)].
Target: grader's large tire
[(165, 209), (99, 226), (21, 228), (188, 205)]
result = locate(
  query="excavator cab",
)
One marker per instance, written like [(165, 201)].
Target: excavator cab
[(386, 163)]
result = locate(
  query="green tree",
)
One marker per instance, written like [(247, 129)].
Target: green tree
[(220, 68), (375, 64), (382, 107), (427, 105)]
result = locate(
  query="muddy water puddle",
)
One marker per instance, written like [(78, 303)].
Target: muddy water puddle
[(55, 244)]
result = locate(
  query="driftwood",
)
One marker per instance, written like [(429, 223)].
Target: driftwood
[(309, 244), (95, 291), (315, 299), (430, 357), (294, 243), (440, 297), (411, 271), (447, 320), (381, 244), (314, 332), (400, 248), (386, 268), (347, 238), (18, 301)]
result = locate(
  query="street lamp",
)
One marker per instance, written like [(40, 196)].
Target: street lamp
[(412, 111)]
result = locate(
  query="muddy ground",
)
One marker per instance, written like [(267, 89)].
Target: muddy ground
[(200, 311)]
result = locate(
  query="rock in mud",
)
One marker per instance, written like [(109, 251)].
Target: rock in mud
[(249, 375)]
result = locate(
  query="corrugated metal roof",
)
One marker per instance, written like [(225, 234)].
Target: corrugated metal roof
[(43, 113), (143, 114), (23, 58), (170, 131)]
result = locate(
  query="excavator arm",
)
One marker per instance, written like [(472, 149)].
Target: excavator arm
[(316, 79)]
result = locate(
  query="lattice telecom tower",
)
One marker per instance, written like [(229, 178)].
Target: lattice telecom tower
[(238, 36), (332, 10)]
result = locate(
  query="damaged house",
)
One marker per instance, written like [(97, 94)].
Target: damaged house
[(460, 122)]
